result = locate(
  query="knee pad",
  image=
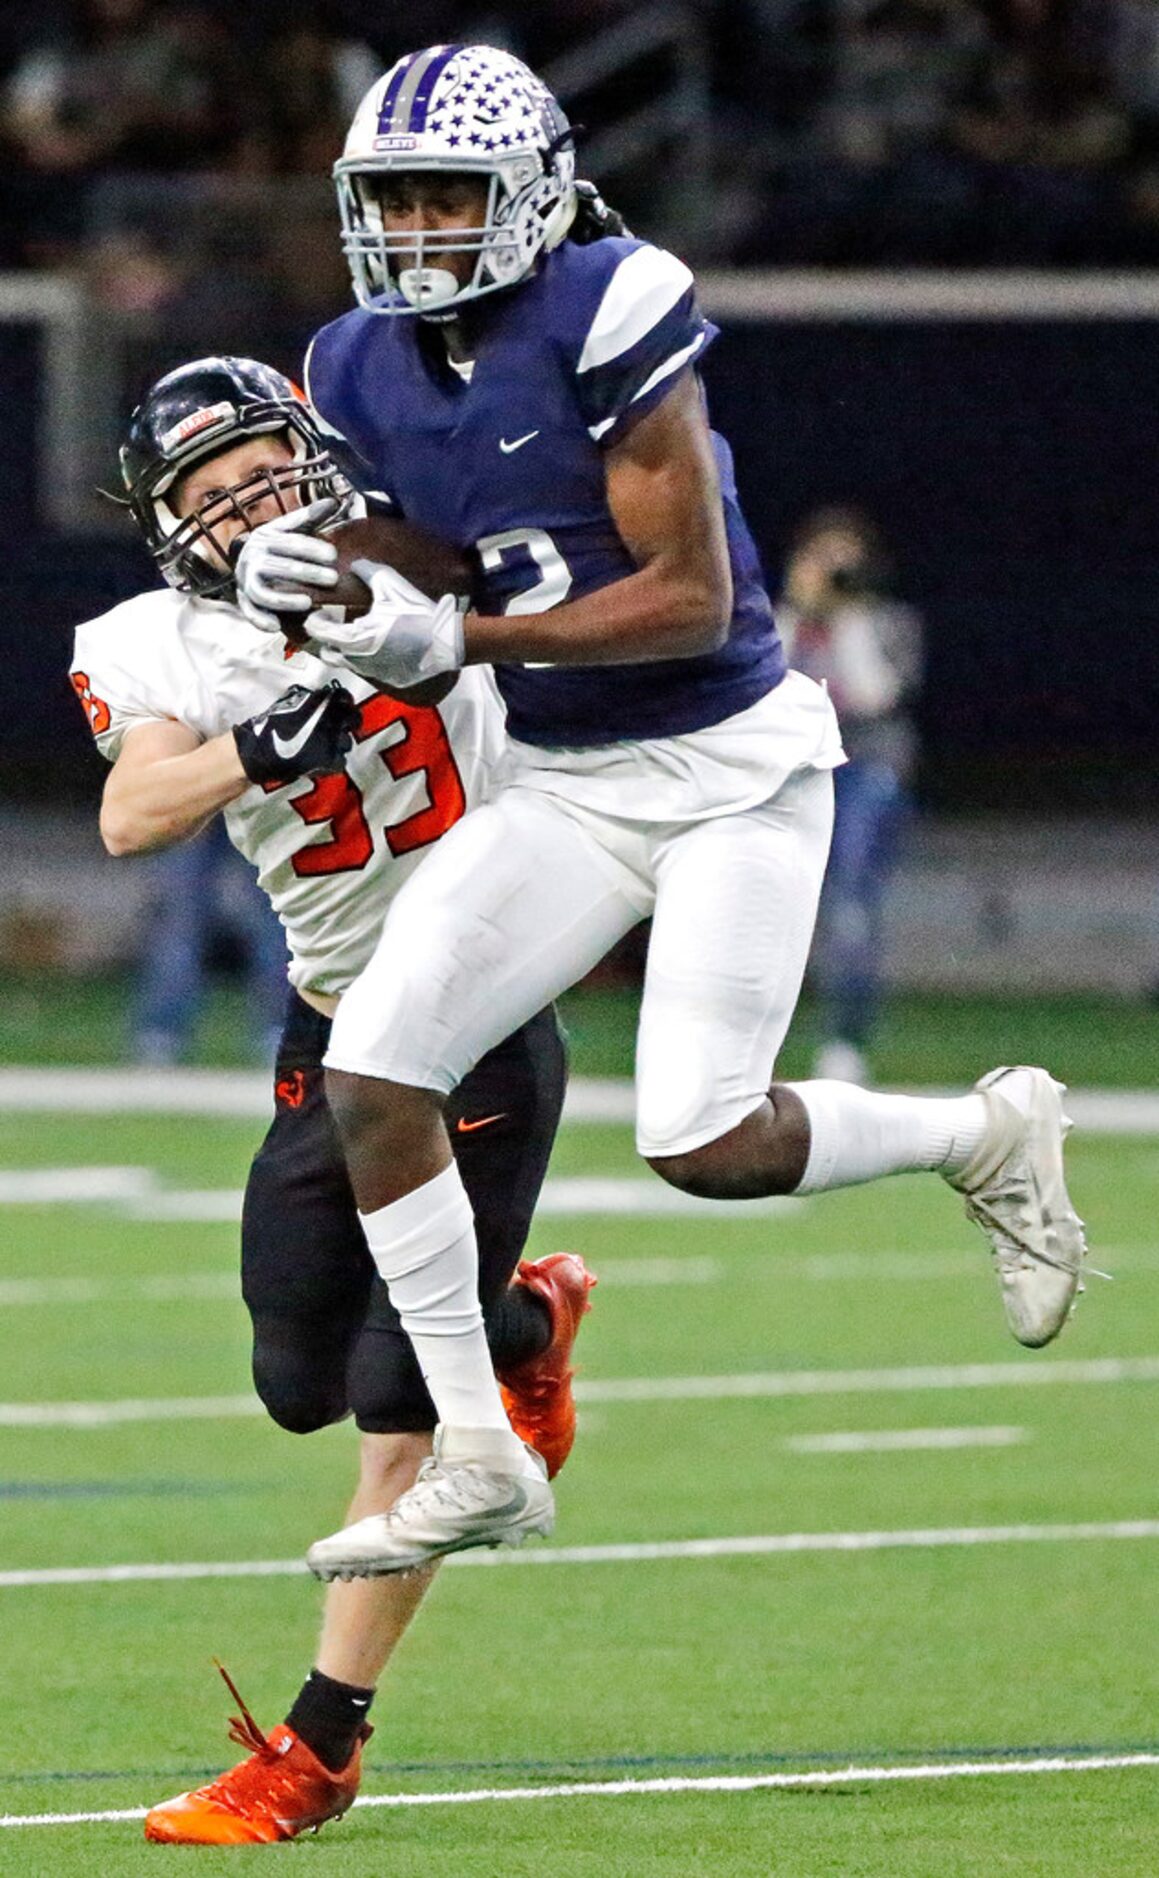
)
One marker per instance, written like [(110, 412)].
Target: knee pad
[(299, 1412), (300, 1381)]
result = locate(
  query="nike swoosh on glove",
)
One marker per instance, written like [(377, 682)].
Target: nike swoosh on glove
[(277, 558), (304, 733), (403, 638)]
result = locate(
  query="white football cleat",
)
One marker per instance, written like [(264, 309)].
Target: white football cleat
[(463, 1497), (1015, 1190)]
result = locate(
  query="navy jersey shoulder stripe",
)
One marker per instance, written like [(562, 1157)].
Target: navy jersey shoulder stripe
[(645, 327)]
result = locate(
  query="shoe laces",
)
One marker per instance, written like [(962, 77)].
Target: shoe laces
[(1011, 1246), (243, 1729), (462, 1487), (261, 1780)]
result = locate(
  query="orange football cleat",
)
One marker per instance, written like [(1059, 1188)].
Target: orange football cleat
[(537, 1394), (281, 1790)]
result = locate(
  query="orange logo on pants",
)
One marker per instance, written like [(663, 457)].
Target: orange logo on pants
[(290, 1090)]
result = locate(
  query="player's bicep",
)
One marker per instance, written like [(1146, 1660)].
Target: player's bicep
[(143, 745), (664, 494), (152, 741), (165, 784)]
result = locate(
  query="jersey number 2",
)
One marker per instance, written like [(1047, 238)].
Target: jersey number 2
[(423, 747), (553, 585)]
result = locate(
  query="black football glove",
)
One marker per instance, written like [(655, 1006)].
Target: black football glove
[(593, 218), (304, 733)]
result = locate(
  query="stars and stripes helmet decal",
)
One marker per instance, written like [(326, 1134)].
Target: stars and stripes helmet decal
[(469, 110)]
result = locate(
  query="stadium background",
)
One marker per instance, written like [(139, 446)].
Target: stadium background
[(927, 230), (924, 227)]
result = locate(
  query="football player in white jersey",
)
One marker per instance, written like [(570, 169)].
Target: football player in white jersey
[(540, 402), (335, 791)]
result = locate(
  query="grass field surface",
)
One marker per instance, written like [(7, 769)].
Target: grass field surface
[(940, 1585), (1107, 1041)]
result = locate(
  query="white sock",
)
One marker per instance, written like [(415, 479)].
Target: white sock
[(424, 1247), (859, 1134)]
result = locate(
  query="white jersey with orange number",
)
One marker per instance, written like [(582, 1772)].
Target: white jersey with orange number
[(330, 851)]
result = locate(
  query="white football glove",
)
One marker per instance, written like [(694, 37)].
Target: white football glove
[(279, 557), (402, 640)]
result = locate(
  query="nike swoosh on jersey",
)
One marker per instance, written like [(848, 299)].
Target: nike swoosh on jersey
[(464, 1127), (289, 746), (516, 443)]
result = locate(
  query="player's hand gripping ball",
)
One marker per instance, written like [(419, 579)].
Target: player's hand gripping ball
[(289, 566), (431, 565)]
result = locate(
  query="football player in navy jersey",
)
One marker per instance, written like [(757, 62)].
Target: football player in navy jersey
[(537, 401)]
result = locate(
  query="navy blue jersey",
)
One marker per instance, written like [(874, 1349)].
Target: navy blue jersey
[(510, 465)]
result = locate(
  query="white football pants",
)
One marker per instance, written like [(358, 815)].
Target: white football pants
[(525, 895)]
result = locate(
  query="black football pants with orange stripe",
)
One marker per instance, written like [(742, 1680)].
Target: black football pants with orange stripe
[(327, 1341)]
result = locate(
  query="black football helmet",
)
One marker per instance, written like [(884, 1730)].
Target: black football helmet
[(194, 412)]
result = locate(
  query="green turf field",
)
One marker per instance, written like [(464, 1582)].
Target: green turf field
[(681, 1668), (1104, 1040)]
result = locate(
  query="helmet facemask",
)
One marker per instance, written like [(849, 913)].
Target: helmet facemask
[(192, 539)]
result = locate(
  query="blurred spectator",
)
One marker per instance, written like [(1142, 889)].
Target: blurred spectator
[(201, 889), (901, 67), (841, 626), (871, 132), (871, 181), (1046, 131), (132, 85), (984, 132), (310, 81)]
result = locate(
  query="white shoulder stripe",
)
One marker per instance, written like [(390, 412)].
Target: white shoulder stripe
[(596, 431), (306, 363), (323, 424), (644, 287)]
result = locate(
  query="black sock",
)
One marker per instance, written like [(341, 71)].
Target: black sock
[(518, 1327), (327, 1715)]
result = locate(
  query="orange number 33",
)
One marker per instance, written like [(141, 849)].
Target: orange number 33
[(423, 749)]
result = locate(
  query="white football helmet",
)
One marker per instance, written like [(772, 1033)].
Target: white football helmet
[(463, 109)]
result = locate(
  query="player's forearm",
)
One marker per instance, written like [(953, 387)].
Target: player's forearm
[(649, 615), (152, 804)]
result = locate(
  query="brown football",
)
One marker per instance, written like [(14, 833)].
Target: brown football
[(433, 566)]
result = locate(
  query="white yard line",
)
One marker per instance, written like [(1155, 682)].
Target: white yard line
[(113, 1414), (648, 1197), (886, 1267), (660, 1272), (599, 1196), (74, 1186), (811, 1382), (898, 1440), (710, 1783), (138, 1193), (171, 1287), (241, 1093), (1027, 1372), (246, 1094), (762, 1545), (164, 1288)]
